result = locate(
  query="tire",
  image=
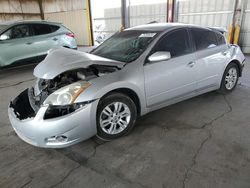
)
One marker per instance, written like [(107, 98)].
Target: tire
[(229, 77), (116, 116)]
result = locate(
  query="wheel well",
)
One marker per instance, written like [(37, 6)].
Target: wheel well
[(131, 94), (238, 65)]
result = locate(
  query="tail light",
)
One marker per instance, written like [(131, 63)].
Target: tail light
[(71, 35)]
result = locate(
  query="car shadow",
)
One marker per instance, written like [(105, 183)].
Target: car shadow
[(189, 114)]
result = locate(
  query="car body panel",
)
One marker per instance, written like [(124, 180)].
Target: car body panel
[(105, 84), (235, 53), (168, 82), (210, 64), (156, 85), (43, 43), (14, 50)]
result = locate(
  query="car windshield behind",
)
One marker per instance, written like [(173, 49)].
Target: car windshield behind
[(125, 46)]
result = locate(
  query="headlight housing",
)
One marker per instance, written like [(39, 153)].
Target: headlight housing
[(68, 94), (58, 111)]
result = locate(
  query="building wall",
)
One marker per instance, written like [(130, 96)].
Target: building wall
[(245, 29), (72, 13), (213, 13), (142, 14), (78, 26), (19, 10)]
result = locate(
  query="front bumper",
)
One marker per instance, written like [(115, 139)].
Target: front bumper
[(76, 126)]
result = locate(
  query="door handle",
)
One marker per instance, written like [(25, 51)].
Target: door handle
[(191, 64), (55, 39), (28, 43)]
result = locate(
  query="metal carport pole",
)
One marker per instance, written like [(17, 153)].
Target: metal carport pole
[(125, 13), (90, 29)]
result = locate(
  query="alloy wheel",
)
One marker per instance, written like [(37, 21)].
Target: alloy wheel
[(114, 118), (231, 78)]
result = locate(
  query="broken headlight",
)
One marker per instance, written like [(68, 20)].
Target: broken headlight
[(58, 111), (67, 95)]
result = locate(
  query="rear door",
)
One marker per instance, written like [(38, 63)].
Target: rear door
[(45, 37), (210, 57), (17, 45), (173, 78)]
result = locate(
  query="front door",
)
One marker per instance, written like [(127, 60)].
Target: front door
[(16, 45), (172, 78)]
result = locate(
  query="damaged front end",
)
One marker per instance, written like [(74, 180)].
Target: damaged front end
[(28, 103), (44, 87), (48, 114)]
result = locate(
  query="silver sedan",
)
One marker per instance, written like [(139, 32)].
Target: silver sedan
[(78, 95)]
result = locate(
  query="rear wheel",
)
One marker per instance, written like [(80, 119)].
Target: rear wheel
[(116, 116), (230, 78)]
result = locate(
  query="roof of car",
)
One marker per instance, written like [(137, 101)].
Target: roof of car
[(162, 26), (27, 21)]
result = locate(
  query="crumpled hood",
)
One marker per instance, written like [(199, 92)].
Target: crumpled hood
[(62, 59)]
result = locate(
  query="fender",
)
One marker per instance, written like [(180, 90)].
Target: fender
[(237, 57), (99, 93)]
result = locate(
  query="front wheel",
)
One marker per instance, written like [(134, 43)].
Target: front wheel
[(230, 78), (116, 116)]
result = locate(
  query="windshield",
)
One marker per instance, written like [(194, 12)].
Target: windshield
[(125, 46)]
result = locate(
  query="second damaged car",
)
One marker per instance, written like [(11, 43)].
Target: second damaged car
[(78, 95)]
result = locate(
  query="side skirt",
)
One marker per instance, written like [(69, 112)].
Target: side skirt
[(180, 99)]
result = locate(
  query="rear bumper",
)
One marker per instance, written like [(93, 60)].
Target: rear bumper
[(243, 63), (237, 55), (76, 126)]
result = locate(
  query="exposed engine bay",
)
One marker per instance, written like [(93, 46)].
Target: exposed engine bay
[(43, 88), (62, 76)]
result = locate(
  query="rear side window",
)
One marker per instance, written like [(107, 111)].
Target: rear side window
[(204, 39), (54, 28), (41, 29), (176, 42), (220, 38)]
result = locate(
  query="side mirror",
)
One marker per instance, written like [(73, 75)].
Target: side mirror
[(159, 56), (4, 37)]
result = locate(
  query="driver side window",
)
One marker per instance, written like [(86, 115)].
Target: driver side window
[(176, 42), (19, 31)]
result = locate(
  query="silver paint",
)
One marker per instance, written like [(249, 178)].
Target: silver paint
[(156, 84)]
